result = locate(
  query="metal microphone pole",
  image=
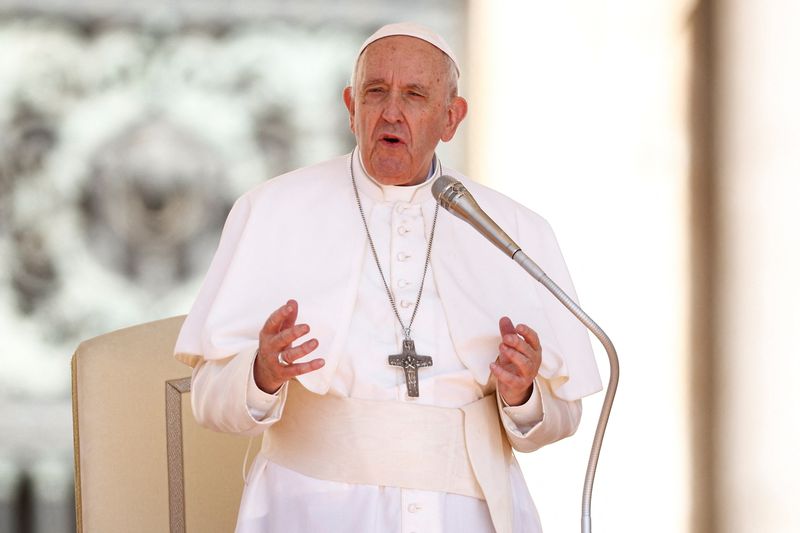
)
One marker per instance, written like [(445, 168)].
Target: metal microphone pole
[(538, 274), (456, 199)]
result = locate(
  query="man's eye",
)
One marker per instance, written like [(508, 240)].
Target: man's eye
[(375, 90)]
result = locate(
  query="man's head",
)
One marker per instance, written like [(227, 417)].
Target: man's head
[(402, 102)]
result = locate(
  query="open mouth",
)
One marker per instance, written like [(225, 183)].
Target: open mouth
[(391, 140)]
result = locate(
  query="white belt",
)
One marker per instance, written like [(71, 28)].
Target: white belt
[(461, 451)]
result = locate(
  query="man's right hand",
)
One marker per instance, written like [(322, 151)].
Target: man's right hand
[(276, 337)]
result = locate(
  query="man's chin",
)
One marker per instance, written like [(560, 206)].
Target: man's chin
[(392, 172)]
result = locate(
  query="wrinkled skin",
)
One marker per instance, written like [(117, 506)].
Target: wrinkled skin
[(401, 106)]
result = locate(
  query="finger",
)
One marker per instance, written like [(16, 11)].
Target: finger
[(284, 339), (293, 354), (524, 347), (506, 327), (518, 344), (521, 344), (297, 369), (289, 320), (521, 364), (276, 319), (502, 358), (508, 378), (505, 363), (509, 342), (530, 336)]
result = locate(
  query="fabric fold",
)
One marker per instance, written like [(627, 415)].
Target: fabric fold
[(251, 275), (378, 443)]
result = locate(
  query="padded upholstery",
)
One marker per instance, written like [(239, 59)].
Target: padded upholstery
[(121, 383)]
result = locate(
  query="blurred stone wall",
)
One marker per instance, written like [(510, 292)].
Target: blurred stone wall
[(127, 130)]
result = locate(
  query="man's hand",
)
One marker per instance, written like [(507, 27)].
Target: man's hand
[(276, 338), (518, 362)]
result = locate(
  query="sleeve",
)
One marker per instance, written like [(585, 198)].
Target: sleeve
[(263, 405), (542, 420), (223, 398), (523, 417), (193, 344), (568, 361)]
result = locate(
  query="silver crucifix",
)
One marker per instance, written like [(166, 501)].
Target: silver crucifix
[(410, 362)]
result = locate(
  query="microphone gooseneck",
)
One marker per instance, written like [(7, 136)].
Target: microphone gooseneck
[(455, 198)]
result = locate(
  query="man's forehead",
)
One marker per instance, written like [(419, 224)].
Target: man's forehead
[(407, 48), (425, 64)]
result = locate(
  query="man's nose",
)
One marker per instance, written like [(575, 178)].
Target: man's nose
[(393, 108)]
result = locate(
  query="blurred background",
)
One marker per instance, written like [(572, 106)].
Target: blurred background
[(658, 137)]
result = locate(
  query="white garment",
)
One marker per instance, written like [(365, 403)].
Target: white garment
[(277, 499)]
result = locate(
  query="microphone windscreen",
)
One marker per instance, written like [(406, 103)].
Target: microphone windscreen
[(440, 185)]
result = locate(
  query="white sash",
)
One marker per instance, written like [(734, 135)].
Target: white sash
[(461, 451)]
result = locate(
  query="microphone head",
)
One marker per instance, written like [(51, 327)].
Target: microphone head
[(446, 189), (455, 198), (440, 184)]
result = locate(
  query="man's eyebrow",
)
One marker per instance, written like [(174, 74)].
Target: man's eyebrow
[(382, 81), (373, 81)]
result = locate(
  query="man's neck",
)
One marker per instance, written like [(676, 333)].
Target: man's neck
[(431, 171)]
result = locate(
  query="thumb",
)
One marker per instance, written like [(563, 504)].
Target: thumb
[(507, 327)]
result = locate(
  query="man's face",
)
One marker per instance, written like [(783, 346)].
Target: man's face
[(401, 107)]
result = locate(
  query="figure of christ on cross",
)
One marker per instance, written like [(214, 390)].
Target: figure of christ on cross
[(410, 362)]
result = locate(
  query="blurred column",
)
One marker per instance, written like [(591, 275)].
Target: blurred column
[(578, 109), (10, 478), (52, 505), (759, 197), (703, 260)]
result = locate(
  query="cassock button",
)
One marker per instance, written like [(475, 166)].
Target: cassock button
[(402, 230), (403, 283), (405, 304), (402, 256), (413, 508)]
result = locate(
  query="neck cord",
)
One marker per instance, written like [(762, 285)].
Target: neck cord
[(406, 330)]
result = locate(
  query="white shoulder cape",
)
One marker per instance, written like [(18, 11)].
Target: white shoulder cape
[(300, 236)]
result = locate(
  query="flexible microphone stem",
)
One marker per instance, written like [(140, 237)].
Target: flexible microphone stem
[(455, 198), (538, 274)]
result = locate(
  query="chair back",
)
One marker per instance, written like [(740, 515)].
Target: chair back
[(142, 463)]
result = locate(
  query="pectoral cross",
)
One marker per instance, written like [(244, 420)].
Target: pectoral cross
[(410, 362)]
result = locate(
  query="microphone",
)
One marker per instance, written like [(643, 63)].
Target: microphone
[(454, 197)]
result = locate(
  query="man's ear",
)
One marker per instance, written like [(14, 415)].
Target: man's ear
[(456, 111), (350, 104)]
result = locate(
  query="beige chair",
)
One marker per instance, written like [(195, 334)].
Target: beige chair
[(142, 464)]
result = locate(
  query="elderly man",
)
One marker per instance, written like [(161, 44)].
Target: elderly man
[(391, 407)]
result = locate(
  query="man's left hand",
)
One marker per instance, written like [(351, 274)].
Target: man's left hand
[(518, 362)]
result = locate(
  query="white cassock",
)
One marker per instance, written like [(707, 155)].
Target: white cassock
[(300, 236)]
